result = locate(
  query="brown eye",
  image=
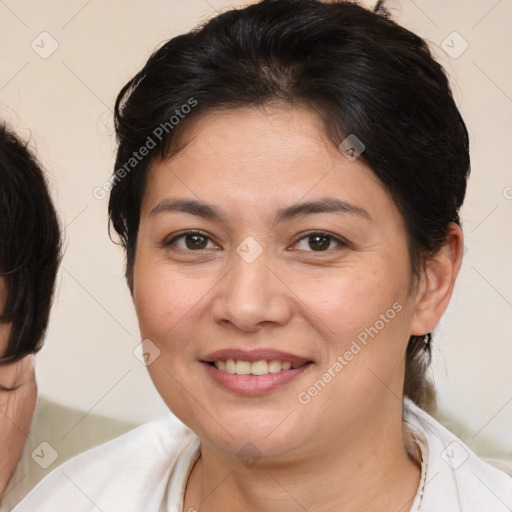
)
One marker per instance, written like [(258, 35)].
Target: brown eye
[(193, 241), (319, 242)]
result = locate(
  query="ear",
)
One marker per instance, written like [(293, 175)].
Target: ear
[(436, 285)]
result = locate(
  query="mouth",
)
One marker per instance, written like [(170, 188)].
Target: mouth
[(254, 372)]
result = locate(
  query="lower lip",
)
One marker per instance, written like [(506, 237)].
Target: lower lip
[(254, 385)]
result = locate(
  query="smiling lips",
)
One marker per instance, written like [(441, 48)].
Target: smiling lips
[(254, 372)]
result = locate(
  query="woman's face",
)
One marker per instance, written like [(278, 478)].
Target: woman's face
[(301, 258)]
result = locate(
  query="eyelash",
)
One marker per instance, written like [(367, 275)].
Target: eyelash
[(8, 390), (311, 234)]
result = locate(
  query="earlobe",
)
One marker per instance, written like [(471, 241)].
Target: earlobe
[(437, 283)]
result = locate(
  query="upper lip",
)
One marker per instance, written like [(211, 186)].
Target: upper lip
[(254, 355)]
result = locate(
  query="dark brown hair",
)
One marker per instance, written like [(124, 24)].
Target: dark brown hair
[(30, 247), (360, 71)]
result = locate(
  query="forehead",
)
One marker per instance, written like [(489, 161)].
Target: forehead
[(262, 158)]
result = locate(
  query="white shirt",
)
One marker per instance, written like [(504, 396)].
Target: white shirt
[(147, 470)]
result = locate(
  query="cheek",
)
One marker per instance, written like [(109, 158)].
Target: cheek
[(166, 301), (342, 304), (18, 405), (5, 332)]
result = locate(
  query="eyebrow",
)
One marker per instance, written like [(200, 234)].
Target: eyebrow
[(211, 212)]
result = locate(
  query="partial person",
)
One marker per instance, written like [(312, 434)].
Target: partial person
[(36, 434)]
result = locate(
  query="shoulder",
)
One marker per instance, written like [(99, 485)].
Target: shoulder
[(57, 433), (457, 479), (129, 473)]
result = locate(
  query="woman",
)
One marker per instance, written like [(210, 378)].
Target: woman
[(287, 188)]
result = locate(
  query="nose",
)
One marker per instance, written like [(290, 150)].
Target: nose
[(252, 296)]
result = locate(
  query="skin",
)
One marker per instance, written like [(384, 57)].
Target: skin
[(16, 406), (312, 303)]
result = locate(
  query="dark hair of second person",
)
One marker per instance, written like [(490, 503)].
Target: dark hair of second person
[(30, 247)]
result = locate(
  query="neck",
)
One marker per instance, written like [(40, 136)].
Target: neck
[(364, 470)]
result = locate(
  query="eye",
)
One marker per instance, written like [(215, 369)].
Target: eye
[(190, 241), (319, 241), (8, 390)]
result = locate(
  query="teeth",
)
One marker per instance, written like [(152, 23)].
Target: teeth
[(230, 366), (262, 367), (243, 367), (274, 366), (259, 368)]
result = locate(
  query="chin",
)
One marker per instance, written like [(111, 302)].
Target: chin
[(258, 430)]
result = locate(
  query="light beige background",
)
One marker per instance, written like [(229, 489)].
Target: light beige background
[(63, 104)]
